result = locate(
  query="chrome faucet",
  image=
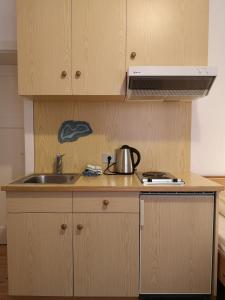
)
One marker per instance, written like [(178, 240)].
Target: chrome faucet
[(58, 163)]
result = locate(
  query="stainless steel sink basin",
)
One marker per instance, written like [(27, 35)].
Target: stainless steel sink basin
[(49, 179)]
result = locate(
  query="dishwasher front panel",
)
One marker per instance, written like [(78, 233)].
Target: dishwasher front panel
[(176, 243)]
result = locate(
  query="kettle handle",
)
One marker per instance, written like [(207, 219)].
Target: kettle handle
[(133, 150)]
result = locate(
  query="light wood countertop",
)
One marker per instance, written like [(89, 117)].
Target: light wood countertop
[(193, 183), (218, 179)]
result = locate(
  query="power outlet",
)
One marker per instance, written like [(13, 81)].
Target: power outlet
[(105, 157)]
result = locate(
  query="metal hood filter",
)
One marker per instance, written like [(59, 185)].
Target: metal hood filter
[(169, 83)]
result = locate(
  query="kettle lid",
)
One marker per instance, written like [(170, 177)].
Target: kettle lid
[(125, 147)]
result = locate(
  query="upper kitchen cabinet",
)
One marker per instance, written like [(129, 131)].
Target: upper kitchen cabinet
[(84, 47), (44, 47), (71, 47), (98, 47), (167, 32)]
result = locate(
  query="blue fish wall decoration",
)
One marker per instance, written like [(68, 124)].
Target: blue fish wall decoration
[(71, 131)]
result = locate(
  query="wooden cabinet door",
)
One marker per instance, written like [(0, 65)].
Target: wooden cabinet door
[(44, 47), (167, 32), (40, 259), (98, 47), (176, 244), (106, 254)]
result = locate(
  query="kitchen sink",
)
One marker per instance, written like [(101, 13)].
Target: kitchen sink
[(49, 179)]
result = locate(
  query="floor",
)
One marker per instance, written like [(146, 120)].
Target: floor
[(221, 292), (4, 283)]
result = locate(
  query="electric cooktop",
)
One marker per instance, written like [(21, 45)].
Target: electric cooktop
[(158, 178)]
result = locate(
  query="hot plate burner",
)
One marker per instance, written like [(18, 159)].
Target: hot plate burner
[(155, 174), (151, 178)]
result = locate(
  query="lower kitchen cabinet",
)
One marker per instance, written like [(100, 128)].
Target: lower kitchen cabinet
[(106, 244), (176, 243), (88, 244), (40, 257), (85, 245), (106, 254)]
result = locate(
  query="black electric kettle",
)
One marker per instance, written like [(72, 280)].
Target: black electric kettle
[(125, 160)]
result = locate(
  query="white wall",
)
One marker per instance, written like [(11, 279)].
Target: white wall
[(29, 136), (11, 135), (208, 119), (7, 24)]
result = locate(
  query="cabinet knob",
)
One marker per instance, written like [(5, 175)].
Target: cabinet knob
[(106, 202), (133, 55), (80, 226), (78, 73), (63, 226), (63, 74)]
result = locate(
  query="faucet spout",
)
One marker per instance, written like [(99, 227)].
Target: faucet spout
[(59, 164)]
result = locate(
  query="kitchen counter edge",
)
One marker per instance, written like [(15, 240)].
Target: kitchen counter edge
[(129, 183)]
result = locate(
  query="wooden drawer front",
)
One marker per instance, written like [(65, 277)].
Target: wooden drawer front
[(221, 268), (39, 202), (106, 202)]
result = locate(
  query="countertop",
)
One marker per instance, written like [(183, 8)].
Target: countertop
[(193, 183), (218, 179)]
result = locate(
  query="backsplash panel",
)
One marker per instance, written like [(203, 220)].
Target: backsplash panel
[(160, 131)]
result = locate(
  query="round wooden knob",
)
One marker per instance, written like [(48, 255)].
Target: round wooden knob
[(78, 73), (106, 202), (63, 74), (133, 55), (80, 226), (63, 226)]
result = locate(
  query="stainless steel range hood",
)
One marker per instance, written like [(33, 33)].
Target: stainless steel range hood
[(169, 83)]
